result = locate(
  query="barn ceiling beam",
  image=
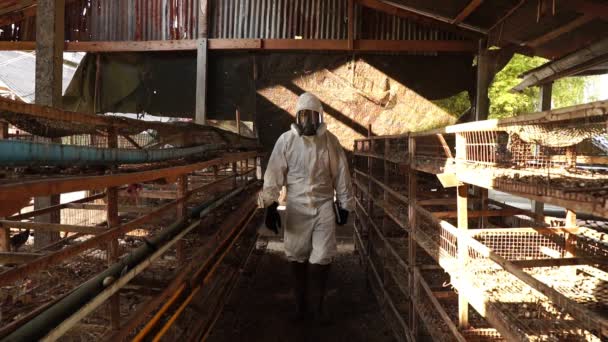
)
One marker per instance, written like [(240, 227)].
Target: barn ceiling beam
[(423, 18), (466, 12), (260, 44), (551, 35)]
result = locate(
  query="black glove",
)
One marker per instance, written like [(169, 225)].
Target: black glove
[(341, 214), (273, 219)]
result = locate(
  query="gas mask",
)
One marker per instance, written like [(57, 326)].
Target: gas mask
[(308, 121)]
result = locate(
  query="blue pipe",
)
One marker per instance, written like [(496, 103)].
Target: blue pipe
[(24, 153)]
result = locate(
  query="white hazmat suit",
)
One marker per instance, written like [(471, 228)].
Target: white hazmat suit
[(311, 167)]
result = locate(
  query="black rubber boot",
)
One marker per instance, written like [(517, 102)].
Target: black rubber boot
[(322, 274), (300, 277)]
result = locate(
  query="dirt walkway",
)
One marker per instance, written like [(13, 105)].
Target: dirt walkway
[(259, 307)]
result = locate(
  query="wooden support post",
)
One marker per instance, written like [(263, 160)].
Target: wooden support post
[(412, 223), (482, 102), (113, 221), (3, 129), (235, 174), (5, 232), (463, 224), (570, 238), (370, 161), (238, 122), (483, 194), (546, 92), (49, 78), (182, 189), (201, 82), (5, 239)]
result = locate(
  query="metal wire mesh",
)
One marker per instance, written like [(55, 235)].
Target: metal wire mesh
[(522, 245)]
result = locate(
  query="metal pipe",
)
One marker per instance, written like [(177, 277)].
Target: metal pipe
[(40, 325), (24, 153)]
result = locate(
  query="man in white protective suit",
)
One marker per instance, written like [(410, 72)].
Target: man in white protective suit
[(310, 162)]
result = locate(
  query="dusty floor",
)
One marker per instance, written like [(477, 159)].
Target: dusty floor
[(261, 303)]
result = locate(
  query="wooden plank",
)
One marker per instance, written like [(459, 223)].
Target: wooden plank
[(51, 227), (466, 12), (201, 82), (560, 262), (551, 35), (121, 208), (598, 160), (131, 46), (235, 44), (362, 45), (437, 201), (17, 46), (160, 194), (72, 184), (480, 213), (18, 258)]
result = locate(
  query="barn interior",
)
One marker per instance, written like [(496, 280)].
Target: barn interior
[(134, 136)]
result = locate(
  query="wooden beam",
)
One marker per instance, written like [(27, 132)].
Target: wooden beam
[(71, 184), (131, 141), (571, 26), (466, 12), (481, 213), (160, 194), (423, 18), (121, 208), (51, 227), (507, 15), (560, 262), (362, 45), (484, 78), (18, 258)]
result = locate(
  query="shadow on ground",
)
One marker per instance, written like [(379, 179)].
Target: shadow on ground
[(261, 303)]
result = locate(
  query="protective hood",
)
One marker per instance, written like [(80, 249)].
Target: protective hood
[(310, 102)]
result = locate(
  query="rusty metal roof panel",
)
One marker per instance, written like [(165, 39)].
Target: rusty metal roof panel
[(120, 20), (279, 19)]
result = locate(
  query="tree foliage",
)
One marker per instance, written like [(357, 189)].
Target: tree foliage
[(504, 103)]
